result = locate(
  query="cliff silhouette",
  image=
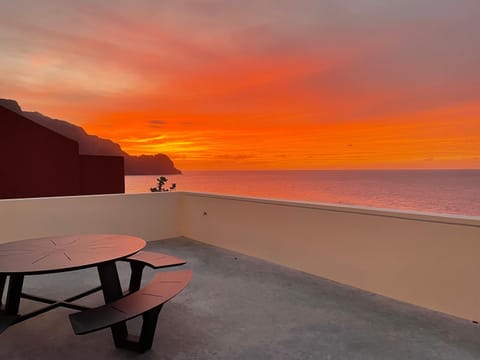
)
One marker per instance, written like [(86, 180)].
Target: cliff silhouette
[(94, 145)]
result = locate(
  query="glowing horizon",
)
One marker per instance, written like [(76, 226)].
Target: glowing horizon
[(284, 85)]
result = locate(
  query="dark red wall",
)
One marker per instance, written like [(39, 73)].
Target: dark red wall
[(101, 174), (36, 162)]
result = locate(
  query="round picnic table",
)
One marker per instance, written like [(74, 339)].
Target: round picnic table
[(61, 254)]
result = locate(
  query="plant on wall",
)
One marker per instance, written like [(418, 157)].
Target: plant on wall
[(161, 181)]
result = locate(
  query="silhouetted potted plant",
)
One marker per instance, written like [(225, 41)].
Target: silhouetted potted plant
[(161, 181)]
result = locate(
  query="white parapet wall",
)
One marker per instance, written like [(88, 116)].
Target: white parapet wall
[(428, 260), (150, 216)]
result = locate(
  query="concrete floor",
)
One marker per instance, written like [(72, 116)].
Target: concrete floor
[(239, 307)]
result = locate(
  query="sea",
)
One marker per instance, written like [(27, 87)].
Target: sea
[(433, 191)]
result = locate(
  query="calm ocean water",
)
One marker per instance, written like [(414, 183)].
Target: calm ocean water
[(437, 191)]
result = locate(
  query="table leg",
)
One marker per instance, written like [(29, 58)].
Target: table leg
[(136, 276), (13, 294), (3, 278), (112, 291)]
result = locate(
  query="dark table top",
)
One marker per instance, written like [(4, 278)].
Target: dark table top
[(64, 253)]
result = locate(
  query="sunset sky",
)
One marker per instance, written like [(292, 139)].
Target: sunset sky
[(274, 84)]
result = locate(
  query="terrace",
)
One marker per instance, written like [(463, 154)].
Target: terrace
[(272, 279)]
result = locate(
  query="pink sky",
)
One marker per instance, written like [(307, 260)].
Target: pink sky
[(262, 84)]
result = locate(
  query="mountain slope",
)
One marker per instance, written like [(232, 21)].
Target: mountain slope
[(158, 164)]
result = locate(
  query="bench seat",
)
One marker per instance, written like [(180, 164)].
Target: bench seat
[(162, 288), (155, 260)]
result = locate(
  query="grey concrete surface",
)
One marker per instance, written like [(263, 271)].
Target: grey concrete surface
[(239, 307)]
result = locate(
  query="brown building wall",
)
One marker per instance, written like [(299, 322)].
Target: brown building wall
[(35, 161), (101, 174), (38, 162)]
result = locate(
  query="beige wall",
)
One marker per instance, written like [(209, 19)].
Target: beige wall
[(430, 261), (150, 216), (422, 259)]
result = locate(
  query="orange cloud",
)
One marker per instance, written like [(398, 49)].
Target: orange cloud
[(315, 86)]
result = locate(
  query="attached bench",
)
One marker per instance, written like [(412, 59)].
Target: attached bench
[(146, 302), (151, 259)]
